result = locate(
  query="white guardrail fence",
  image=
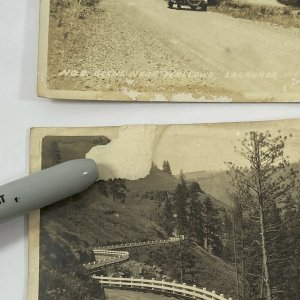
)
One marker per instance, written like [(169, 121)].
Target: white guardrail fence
[(164, 287), (109, 256), (114, 257), (138, 244)]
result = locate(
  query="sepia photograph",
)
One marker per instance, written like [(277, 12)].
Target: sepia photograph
[(206, 212), (170, 50)]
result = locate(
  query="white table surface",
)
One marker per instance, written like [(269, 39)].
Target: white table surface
[(20, 109)]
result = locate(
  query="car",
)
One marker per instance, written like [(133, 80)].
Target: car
[(192, 3)]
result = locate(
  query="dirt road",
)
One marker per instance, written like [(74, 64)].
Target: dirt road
[(114, 294), (188, 55)]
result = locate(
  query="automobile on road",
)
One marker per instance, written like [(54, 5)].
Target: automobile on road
[(193, 4)]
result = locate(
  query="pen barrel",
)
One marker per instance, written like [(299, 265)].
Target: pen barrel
[(46, 187)]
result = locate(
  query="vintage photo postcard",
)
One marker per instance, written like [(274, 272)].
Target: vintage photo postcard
[(179, 212), (170, 50)]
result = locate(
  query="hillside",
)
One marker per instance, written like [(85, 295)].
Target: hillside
[(199, 267), (159, 181), (217, 183), (72, 228), (156, 180), (69, 232), (214, 183)]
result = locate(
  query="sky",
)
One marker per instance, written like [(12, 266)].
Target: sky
[(197, 148), (205, 147)]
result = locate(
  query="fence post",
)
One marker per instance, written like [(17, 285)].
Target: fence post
[(204, 290), (163, 285), (152, 284), (173, 287), (194, 292), (184, 289), (213, 292), (131, 282), (142, 283)]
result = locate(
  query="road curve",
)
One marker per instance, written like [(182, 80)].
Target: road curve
[(109, 255)]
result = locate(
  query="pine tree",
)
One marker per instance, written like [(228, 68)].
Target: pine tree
[(181, 205), (102, 187), (212, 228), (290, 246), (118, 189), (166, 167), (228, 238), (195, 214), (168, 219), (240, 228), (268, 181)]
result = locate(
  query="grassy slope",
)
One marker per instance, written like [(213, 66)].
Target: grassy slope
[(61, 275), (72, 228), (69, 232), (200, 267), (95, 220)]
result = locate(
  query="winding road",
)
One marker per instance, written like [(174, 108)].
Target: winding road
[(109, 255)]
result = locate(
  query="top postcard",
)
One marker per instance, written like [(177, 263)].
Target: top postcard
[(170, 50)]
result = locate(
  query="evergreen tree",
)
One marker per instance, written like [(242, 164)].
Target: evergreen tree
[(181, 205), (212, 228), (166, 167), (266, 184), (228, 238), (102, 187), (195, 214), (244, 213), (290, 247), (118, 189), (168, 219)]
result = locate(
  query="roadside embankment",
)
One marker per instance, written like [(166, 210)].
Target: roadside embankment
[(288, 16)]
